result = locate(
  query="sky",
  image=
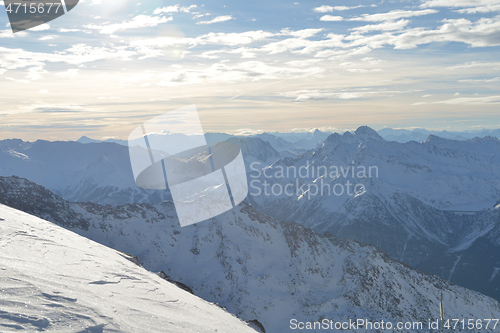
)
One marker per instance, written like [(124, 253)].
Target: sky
[(108, 66)]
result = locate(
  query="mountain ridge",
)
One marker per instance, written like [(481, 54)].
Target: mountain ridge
[(260, 268)]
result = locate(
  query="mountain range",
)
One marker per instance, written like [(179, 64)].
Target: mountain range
[(430, 205), (256, 267)]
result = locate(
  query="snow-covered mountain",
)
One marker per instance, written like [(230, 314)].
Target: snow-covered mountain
[(258, 150), (52, 279), (279, 144), (259, 268), (303, 140), (420, 134), (417, 202), (422, 203), (97, 172), (101, 172)]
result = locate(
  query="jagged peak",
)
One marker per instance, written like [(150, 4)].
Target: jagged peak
[(435, 139), (368, 132)]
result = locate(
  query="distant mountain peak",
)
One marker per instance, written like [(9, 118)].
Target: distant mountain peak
[(367, 132), (435, 139), (85, 139)]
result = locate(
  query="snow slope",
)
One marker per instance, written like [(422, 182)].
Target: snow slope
[(259, 268), (51, 279)]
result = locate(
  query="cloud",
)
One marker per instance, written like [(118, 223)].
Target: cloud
[(245, 53), (69, 74), (496, 79), (140, 21), (330, 18), (475, 64), (306, 95), (168, 9), (41, 27), (51, 108), (329, 9), (393, 15), (472, 101), (457, 3), (154, 47), (484, 32), (218, 19), (48, 37), (323, 9), (6, 34), (243, 72), (188, 9), (468, 6), (232, 38), (36, 73), (386, 26), (480, 9)]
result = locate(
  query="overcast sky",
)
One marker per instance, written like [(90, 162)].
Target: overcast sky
[(107, 66)]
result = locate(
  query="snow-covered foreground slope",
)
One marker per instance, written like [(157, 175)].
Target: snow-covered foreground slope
[(52, 279), (259, 268)]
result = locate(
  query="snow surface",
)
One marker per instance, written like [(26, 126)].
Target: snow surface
[(53, 280)]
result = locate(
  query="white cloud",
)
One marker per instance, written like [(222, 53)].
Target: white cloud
[(330, 18), (496, 79), (306, 95), (36, 73), (362, 70), (218, 19), (480, 9), (472, 100), (246, 53), (69, 30), (304, 33), (329, 9), (386, 26), (299, 41), (43, 91), (484, 32), (48, 37), (168, 9), (242, 72), (476, 64), (69, 74), (6, 34), (468, 6), (41, 27), (393, 15), (323, 9), (457, 3), (188, 9), (154, 47), (233, 38), (140, 21)]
